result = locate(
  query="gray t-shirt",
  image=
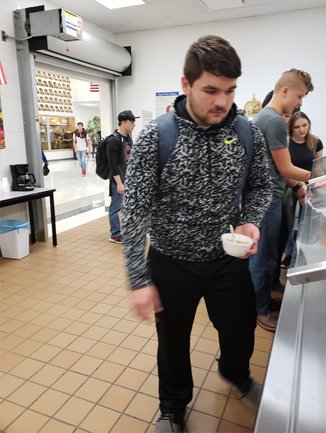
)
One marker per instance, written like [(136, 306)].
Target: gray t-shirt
[(274, 129)]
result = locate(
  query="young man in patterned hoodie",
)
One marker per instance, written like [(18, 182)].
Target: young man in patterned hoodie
[(186, 208)]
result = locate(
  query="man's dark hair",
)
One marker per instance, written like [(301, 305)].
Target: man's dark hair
[(80, 123), (212, 54)]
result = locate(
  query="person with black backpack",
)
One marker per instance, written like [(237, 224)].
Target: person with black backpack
[(118, 147)]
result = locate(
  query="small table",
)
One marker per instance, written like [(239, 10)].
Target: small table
[(15, 197)]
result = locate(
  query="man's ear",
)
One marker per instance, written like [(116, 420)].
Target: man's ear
[(185, 85)]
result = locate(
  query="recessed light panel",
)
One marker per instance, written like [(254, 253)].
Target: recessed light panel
[(116, 4)]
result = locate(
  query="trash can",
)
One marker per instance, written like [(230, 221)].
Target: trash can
[(14, 238)]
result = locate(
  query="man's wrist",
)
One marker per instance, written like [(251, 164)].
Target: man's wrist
[(296, 187)]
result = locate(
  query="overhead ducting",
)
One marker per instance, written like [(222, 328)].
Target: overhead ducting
[(92, 50)]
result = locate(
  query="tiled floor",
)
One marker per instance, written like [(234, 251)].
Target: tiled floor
[(73, 358)]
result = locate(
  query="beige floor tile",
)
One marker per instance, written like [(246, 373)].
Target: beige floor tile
[(46, 353), (66, 359), (86, 365), (81, 344), (263, 344), (210, 403), (77, 328), (215, 383), (9, 384), (122, 356), (27, 394), (63, 339), (129, 424), (60, 323), (101, 350), (54, 426), (150, 348), (28, 330), (69, 382), (44, 335), (95, 332), (259, 358), (27, 347), (10, 341), (126, 326), (92, 390), (207, 346), (100, 420), (150, 386), (199, 376), (132, 379), (47, 375), (74, 411), (27, 368), (117, 398), (12, 325), (210, 333), (9, 412), (202, 360), (108, 371), (90, 317), (258, 373), (228, 427), (145, 330), (33, 420), (237, 413), (50, 402), (142, 407), (144, 362), (134, 342), (200, 422), (114, 337), (101, 308)]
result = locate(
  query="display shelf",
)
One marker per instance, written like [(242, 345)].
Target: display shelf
[(57, 132)]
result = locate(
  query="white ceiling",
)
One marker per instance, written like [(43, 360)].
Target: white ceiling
[(170, 13)]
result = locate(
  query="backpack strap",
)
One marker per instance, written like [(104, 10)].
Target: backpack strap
[(168, 131), (244, 132)]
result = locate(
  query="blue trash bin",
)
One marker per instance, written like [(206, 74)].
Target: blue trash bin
[(14, 238)]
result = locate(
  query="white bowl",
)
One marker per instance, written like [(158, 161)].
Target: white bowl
[(237, 247)]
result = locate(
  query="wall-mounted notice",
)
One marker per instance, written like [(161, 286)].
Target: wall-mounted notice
[(164, 102), (146, 116)]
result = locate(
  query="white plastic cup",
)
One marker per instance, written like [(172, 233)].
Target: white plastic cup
[(237, 247)]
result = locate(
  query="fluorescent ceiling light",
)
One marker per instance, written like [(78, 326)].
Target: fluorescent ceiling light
[(116, 4)]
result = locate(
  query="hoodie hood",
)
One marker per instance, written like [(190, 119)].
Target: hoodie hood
[(181, 110)]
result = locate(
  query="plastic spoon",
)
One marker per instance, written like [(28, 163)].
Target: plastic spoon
[(232, 232)]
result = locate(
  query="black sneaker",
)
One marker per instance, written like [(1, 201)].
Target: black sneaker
[(285, 263), (169, 423), (253, 397)]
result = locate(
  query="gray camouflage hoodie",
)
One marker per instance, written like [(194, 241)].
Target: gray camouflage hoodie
[(187, 207)]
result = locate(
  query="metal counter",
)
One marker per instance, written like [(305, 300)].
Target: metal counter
[(294, 395)]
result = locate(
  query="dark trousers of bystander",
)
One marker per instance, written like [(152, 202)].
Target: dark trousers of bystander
[(226, 287)]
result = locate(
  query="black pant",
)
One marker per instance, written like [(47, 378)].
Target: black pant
[(229, 295)]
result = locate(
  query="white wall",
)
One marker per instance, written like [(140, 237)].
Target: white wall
[(267, 46)]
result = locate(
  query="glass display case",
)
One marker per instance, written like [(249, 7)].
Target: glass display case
[(294, 397), (56, 132)]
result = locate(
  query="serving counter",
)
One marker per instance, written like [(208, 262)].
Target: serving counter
[(294, 395)]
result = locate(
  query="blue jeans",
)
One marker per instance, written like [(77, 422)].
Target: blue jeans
[(264, 263), (114, 209), (81, 156)]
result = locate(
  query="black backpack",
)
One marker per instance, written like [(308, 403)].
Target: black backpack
[(102, 159)]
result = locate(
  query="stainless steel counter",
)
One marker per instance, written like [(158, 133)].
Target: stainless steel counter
[(294, 396)]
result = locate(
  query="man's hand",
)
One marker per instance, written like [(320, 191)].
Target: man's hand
[(252, 232), (145, 301)]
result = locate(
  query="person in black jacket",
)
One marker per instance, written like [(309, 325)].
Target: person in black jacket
[(185, 208), (119, 148)]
